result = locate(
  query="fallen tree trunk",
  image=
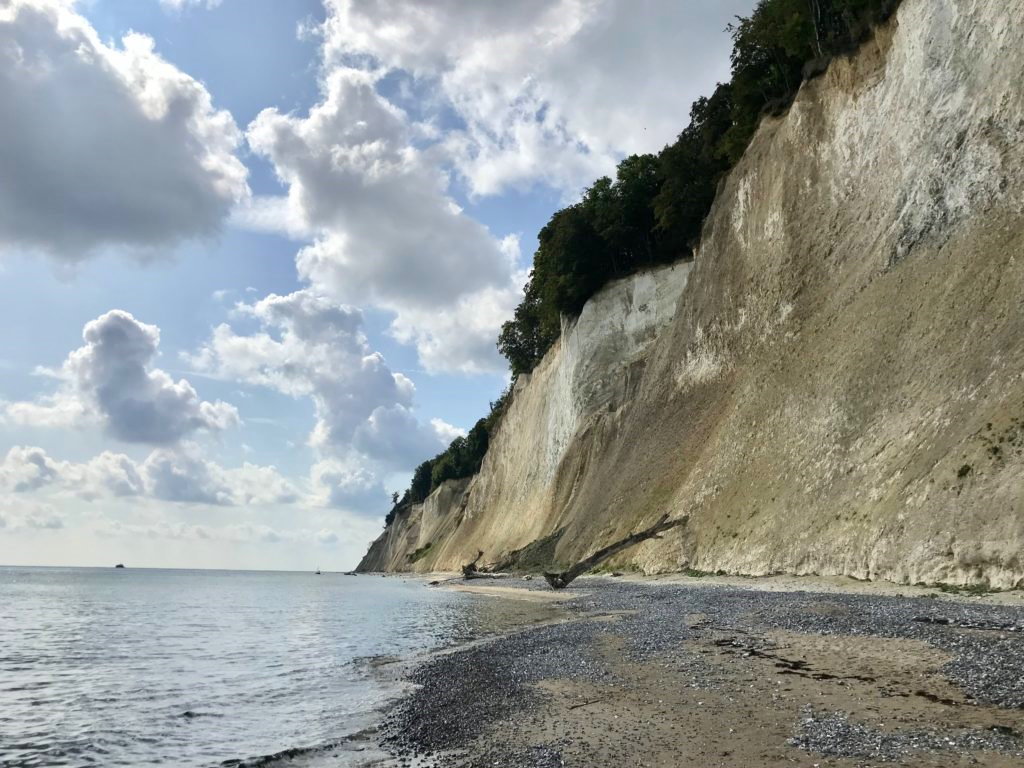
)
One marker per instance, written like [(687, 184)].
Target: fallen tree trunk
[(469, 569), (484, 575), (563, 579)]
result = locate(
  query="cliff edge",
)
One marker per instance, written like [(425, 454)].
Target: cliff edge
[(835, 385)]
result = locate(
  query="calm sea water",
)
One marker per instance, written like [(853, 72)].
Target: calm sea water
[(191, 668)]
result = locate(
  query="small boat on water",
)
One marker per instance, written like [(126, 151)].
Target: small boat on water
[(119, 565), (318, 571)]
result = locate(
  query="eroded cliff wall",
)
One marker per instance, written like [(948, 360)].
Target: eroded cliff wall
[(836, 384)]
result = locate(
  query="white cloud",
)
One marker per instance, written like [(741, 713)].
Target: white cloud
[(185, 477), (111, 379), (395, 437), (253, 484), (27, 469), (272, 214), (310, 346), (109, 473), (461, 337), (105, 145), (342, 484), (386, 232), (447, 432), (177, 475), (352, 172), (546, 90), (54, 412)]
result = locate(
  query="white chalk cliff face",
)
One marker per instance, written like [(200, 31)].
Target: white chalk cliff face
[(835, 385)]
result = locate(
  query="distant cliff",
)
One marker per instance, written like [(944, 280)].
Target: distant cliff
[(835, 385)]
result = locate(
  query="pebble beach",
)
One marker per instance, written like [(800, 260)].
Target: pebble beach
[(616, 672)]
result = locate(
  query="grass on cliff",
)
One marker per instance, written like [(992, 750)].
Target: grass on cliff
[(419, 554)]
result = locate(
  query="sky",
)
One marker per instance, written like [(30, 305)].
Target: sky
[(255, 254)]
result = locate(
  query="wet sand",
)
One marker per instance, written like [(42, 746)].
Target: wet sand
[(697, 672)]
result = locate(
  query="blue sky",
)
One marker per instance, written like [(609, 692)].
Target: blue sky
[(255, 253)]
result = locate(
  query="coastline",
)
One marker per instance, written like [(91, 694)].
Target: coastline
[(502, 613), (682, 671)]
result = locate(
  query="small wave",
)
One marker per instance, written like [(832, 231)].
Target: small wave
[(357, 742), (374, 662)]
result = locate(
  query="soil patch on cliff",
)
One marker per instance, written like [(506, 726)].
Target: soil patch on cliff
[(677, 675)]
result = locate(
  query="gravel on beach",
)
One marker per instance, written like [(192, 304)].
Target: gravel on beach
[(660, 675)]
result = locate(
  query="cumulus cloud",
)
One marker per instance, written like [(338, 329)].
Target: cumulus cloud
[(30, 468), (461, 337), (27, 469), (395, 437), (105, 145), (346, 485), (386, 232), (545, 90), (185, 477), (109, 473), (253, 484), (311, 346), (352, 171), (111, 379), (272, 214), (180, 475)]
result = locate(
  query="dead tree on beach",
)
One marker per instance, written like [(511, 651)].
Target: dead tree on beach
[(469, 569), (563, 579), (472, 571)]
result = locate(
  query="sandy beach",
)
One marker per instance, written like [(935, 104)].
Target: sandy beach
[(717, 671)]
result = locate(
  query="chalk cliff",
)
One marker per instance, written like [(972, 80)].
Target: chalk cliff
[(834, 385)]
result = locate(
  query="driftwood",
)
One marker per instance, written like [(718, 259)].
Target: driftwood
[(473, 571), (563, 579), (470, 568)]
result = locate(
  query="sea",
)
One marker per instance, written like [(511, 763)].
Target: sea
[(138, 667)]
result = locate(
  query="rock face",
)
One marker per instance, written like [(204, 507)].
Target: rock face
[(835, 385)]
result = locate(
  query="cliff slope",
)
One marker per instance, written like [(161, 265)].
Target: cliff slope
[(835, 385)]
